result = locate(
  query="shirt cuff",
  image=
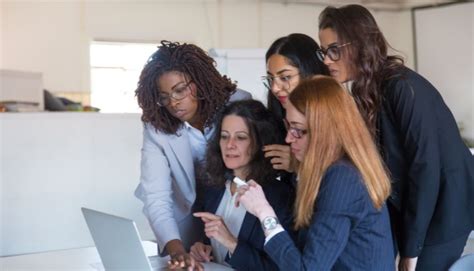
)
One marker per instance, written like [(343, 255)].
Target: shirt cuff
[(273, 232)]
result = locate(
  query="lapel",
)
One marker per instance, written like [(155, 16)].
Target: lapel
[(179, 144), (215, 199), (247, 226)]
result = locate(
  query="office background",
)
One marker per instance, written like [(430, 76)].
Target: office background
[(54, 163)]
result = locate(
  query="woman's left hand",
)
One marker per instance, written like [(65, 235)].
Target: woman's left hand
[(281, 157), (215, 228), (251, 196)]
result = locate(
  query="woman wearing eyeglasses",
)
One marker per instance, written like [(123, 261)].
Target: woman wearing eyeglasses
[(340, 211), (180, 92), (289, 59), (432, 170)]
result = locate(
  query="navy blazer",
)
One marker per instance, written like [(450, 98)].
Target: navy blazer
[(346, 231), (249, 253), (431, 168)]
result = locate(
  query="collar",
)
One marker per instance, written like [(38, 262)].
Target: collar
[(348, 85)]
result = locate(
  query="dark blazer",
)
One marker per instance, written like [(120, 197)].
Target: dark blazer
[(431, 168), (249, 254), (346, 231)]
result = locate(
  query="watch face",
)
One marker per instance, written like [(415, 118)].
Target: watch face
[(269, 223)]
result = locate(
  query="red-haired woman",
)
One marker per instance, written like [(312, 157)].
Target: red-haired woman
[(342, 186)]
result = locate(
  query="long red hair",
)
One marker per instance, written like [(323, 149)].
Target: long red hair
[(336, 129)]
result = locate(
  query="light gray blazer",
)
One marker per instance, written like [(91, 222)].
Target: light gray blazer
[(167, 184)]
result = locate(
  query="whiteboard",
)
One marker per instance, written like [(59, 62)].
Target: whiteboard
[(444, 55)]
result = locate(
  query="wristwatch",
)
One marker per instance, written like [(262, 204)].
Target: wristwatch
[(270, 223)]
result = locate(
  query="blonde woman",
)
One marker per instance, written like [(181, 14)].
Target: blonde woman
[(340, 209)]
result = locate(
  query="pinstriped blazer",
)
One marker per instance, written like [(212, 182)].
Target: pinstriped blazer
[(346, 231)]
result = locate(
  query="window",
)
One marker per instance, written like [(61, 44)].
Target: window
[(115, 69)]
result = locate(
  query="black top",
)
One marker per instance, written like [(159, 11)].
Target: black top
[(249, 253), (431, 168)]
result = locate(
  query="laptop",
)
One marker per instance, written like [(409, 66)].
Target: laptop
[(118, 242)]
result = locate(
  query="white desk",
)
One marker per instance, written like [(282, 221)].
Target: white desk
[(72, 259)]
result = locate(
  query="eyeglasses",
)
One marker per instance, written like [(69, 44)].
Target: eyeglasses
[(283, 81), (294, 132), (177, 94), (333, 52)]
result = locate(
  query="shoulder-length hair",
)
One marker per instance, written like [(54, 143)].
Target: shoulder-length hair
[(213, 89), (367, 54), (300, 50), (336, 129), (264, 128)]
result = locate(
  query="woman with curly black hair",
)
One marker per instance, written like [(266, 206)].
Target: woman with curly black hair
[(180, 92), (235, 237)]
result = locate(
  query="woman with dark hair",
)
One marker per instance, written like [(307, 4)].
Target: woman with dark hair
[(432, 170), (289, 59), (180, 92), (236, 238), (340, 211)]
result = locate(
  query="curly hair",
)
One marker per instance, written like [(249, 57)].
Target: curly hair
[(300, 50), (213, 89), (264, 128), (368, 55)]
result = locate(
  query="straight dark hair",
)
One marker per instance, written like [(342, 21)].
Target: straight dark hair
[(264, 128), (300, 50), (367, 54)]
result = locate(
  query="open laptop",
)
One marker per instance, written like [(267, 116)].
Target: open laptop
[(118, 242), (119, 245)]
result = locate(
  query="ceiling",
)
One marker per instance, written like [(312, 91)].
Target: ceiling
[(388, 5)]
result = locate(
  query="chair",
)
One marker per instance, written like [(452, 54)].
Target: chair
[(465, 263)]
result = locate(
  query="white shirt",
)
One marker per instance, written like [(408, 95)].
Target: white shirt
[(233, 218), (348, 85), (198, 143)]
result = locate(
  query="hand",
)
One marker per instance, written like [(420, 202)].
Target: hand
[(184, 260), (254, 200), (281, 157), (201, 252), (214, 227), (407, 264)]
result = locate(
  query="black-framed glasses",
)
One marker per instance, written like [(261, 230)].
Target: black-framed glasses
[(333, 52), (177, 94), (283, 81), (294, 132)]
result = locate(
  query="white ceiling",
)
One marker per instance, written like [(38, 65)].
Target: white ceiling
[(394, 5), (383, 5)]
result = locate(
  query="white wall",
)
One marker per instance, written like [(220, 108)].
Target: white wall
[(53, 36), (448, 61), (46, 37), (52, 164), (398, 31)]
